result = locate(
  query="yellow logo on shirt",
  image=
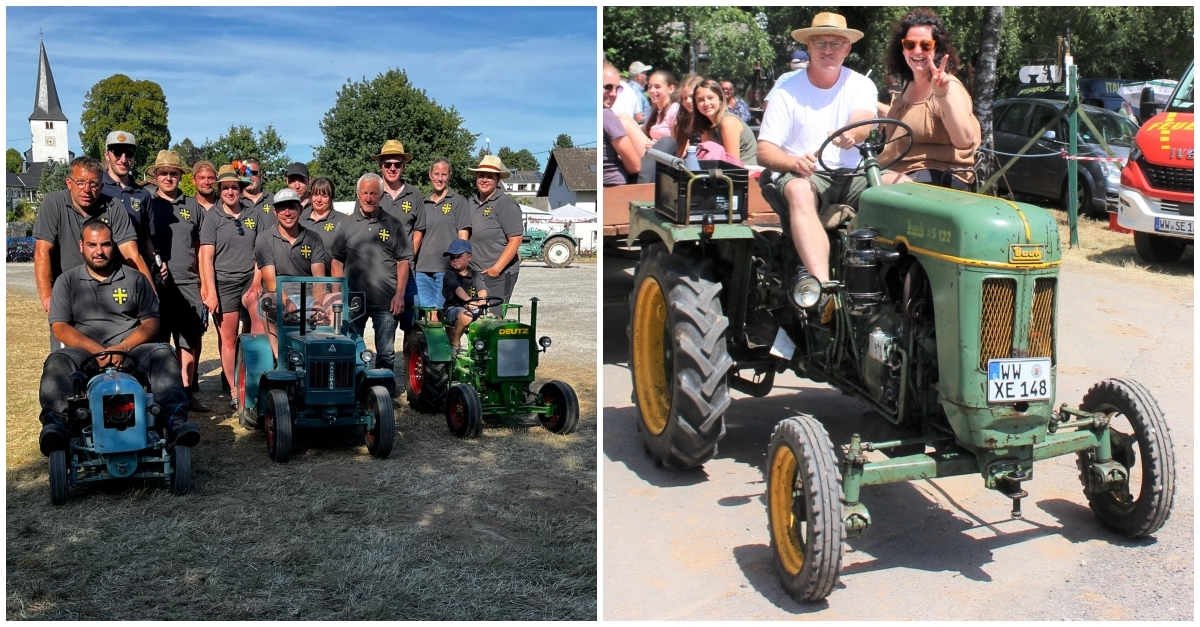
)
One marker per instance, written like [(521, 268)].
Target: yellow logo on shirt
[(185, 213), (266, 208), (406, 206), (305, 250), (487, 211), (471, 292), (384, 235), (120, 295), (249, 222), (446, 208), (329, 226)]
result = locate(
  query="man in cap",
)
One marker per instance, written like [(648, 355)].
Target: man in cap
[(799, 62), (297, 181), (175, 222), (736, 105), (496, 230), (287, 249), (102, 306), (637, 83), (119, 183), (447, 218), (204, 177), (403, 202), (806, 109), (463, 291), (370, 250)]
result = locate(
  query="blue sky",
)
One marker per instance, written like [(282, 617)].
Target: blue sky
[(519, 76)]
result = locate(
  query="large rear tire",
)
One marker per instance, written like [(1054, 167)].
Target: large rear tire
[(383, 436), (1141, 442), (464, 412), (804, 508), (559, 252), (1158, 248), (426, 382), (565, 418), (181, 474), (278, 426), (678, 358), (59, 488)]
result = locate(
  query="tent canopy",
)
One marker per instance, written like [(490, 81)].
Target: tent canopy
[(571, 213)]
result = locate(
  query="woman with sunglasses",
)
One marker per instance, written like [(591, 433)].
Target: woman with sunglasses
[(714, 122), (932, 102), (227, 267)]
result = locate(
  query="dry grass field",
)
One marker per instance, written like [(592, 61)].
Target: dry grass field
[(500, 528)]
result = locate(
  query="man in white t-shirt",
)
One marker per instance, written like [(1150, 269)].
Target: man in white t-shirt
[(802, 114), (627, 102)]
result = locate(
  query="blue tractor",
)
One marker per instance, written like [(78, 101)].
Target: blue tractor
[(320, 374), (112, 421)]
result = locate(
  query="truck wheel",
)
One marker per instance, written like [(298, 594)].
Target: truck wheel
[(58, 477), (426, 381), (181, 474), (678, 358), (278, 425), (383, 436), (559, 252), (246, 417), (804, 508), (1158, 248), (565, 418), (1141, 442), (464, 413)]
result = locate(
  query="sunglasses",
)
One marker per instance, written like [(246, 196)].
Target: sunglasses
[(611, 87), (121, 152), (392, 165), (926, 44), (821, 44), (174, 174), (252, 172)]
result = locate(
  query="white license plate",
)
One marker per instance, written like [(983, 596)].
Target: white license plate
[(1169, 225), (1014, 380)]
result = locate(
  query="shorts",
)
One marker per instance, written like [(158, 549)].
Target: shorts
[(454, 311), (184, 316), (844, 190), (230, 293)]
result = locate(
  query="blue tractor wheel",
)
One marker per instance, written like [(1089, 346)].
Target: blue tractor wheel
[(278, 426), (381, 438)]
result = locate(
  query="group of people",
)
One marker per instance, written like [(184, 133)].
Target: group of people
[(130, 267)]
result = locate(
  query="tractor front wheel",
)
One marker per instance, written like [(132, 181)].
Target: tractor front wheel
[(1141, 442), (426, 381), (381, 438), (565, 418), (58, 477), (464, 412), (181, 473), (804, 508), (678, 358), (278, 426), (559, 252)]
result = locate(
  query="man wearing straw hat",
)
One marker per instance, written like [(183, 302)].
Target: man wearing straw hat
[(404, 203), (496, 230), (802, 114), (175, 222)]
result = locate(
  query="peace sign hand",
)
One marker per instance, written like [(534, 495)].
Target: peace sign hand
[(941, 80)]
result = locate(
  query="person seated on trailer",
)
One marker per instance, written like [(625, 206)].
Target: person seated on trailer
[(287, 249), (104, 306), (463, 290)]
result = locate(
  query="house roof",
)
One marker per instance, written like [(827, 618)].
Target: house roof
[(524, 176), (45, 98), (579, 171), (29, 179)]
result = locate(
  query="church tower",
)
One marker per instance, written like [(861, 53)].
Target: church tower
[(47, 123)]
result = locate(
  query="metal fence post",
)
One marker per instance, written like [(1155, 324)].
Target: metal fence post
[(1073, 151)]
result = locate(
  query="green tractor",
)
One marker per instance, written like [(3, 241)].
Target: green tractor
[(488, 381), (941, 314), (557, 249)]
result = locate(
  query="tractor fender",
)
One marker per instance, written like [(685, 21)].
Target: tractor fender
[(271, 380), (562, 235), (646, 226), (375, 376), (438, 343), (257, 359)]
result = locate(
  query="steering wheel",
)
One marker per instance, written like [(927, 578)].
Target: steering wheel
[(316, 316), (129, 363), (858, 169), (486, 302)]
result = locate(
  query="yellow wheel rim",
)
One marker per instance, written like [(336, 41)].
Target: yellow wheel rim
[(788, 545), (649, 356)]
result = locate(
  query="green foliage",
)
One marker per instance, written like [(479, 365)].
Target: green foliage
[(23, 212), (241, 142), (54, 177), (563, 141), (189, 152), (121, 103), (187, 186), (518, 160), (523, 200), (369, 112), (13, 161), (733, 42), (663, 37)]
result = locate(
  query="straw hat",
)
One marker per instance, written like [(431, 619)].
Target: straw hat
[(827, 24), (167, 159), (493, 165), (393, 148), (227, 173)]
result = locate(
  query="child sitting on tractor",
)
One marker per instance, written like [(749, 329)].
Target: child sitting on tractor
[(463, 289)]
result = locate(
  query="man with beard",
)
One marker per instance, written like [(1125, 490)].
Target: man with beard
[(104, 306), (204, 177), (119, 163)]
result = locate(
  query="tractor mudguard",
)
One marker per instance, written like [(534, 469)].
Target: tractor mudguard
[(258, 358), (645, 225), (438, 342), (376, 376), (132, 437)]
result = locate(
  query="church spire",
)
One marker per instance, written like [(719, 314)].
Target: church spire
[(45, 98)]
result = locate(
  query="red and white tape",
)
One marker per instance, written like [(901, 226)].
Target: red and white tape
[(1117, 159)]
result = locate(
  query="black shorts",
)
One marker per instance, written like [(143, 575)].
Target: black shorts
[(183, 315), (230, 294)]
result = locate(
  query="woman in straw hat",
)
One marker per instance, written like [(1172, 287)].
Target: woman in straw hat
[(496, 230)]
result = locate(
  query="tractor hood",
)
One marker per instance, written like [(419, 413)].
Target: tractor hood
[(325, 345), (961, 227)]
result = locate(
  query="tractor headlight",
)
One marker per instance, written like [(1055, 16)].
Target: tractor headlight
[(806, 290), (544, 342), (294, 357), (480, 345), (366, 356)]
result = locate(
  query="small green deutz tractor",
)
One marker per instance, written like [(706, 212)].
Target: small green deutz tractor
[(489, 380), (322, 376), (941, 315), (556, 249)]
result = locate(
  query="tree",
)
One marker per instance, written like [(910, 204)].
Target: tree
[(189, 152), (369, 112), (54, 177), (985, 77), (187, 185), (121, 103), (563, 141), (732, 40), (13, 161), (241, 142), (519, 160)]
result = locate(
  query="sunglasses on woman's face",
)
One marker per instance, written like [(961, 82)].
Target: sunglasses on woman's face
[(926, 44)]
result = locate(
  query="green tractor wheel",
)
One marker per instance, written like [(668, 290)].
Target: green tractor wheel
[(58, 478), (678, 358), (558, 252), (565, 418), (426, 382), (181, 474), (804, 508), (383, 436), (464, 412), (1141, 442), (278, 426)]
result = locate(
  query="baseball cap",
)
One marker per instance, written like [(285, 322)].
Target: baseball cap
[(286, 194), (297, 168), (120, 138), (458, 247), (799, 55), (637, 67)]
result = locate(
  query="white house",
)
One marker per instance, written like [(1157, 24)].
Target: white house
[(570, 178)]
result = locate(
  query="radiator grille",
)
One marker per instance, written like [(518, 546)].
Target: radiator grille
[(1041, 322), (1167, 177), (319, 371), (996, 323)]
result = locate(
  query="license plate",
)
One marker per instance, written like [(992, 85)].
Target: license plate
[(1168, 225), (1014, 380)]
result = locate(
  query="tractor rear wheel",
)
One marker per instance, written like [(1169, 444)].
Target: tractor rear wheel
[(181, 474), (58, 477), (1158, 248), (565, 418), (426, 381), (383, 436), (804, 508), (678, 358), (559, 252), (1141, 442), (246, 417), (278, 425), (464, 412)]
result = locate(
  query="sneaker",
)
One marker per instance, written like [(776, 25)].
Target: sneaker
[(54, 436), (182, 433), (195, 405), (233, 403)]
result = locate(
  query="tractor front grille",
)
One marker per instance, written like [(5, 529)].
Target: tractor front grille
[(1168, 177), (1041, 321), (512, 358), (996, 320), (328, 375)]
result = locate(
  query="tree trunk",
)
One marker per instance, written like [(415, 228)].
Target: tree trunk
[(985, 72)]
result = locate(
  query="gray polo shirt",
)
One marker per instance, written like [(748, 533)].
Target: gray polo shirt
[(443, 220), (136, 200), (370, 248), (493, 222), (323, 227), (264, 208), (59, 223), (290, 259), (406, 208), (175, 230), (105, 311), (233, 238)]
